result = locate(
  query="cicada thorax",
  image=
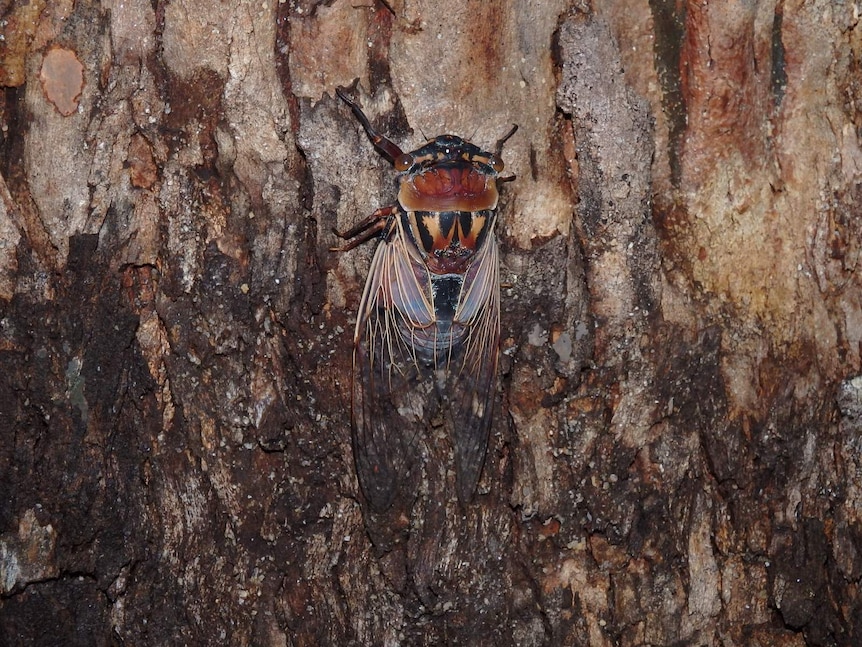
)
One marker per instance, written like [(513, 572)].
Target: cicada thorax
[(448, 197), (448, 246), (449, 240)]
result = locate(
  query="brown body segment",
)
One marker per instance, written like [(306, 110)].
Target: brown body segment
[(456, 188)]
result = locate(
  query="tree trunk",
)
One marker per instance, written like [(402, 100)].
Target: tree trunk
[(675, 453)]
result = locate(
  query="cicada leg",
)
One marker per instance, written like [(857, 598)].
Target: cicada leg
[(387, 148), (370, 227), (498, 147)]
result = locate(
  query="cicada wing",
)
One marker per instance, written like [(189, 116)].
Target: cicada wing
[(472, 374), (385, 373), (376, 449)]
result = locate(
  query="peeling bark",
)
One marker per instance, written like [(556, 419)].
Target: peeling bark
[(675, 453)]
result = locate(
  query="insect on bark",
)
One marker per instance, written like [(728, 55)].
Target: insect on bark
[(430, 310)]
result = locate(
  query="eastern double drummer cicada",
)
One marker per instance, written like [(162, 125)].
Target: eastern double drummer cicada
[(429, 319)]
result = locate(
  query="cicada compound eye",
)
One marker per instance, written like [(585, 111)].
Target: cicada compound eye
[(496, 163), (403, 162)]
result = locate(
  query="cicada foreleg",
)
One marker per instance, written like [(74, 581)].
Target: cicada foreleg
[(498, 147), (387, 148), (370, 227)]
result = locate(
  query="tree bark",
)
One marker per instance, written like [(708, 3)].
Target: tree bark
[(675, 454)]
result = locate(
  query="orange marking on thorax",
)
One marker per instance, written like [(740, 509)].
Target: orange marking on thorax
[(448, 189)]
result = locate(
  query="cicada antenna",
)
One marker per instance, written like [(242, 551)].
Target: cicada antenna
[(387, 148)]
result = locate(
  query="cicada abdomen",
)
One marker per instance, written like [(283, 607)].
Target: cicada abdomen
[(429, 317)]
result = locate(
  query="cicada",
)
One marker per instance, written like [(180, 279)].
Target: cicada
[(430, 310)]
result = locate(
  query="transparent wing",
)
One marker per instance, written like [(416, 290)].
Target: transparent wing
[(473, 369), (387, 398)]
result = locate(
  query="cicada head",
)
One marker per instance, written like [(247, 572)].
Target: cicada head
[(448, 174)]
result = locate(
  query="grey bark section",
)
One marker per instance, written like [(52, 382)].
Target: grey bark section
[(614, 142)]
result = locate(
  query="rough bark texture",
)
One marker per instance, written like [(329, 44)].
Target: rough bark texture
[(676, 454)]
